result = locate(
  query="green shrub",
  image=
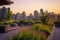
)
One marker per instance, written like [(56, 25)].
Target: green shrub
[(1, 23), (47, 31), (36, 27), (2, 26), (13, 25), (5, 23), (39, 28)]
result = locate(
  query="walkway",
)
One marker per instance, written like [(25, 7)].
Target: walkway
[(7, 35), (55, 34)]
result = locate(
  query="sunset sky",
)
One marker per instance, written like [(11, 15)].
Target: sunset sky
[(30, 5)]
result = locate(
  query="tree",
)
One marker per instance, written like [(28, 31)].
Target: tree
[(45, 18), (9, 14), (5, 2)]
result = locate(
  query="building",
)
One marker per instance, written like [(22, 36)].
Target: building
[(17, 16), (13, 17), (0, 13), (30, 17), (3, 12), (41, 12), (23, 15), (36, 14), (52, 16)]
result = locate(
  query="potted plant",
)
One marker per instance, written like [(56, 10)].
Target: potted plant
[(57, 23), (2, 29)]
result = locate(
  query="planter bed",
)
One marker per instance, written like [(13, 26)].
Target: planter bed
[(11, 29), (2, 29)]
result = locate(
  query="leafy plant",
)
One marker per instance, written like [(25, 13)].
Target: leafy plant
[(1, 26), (27, 36), (39, 28), (36, 27), (47, 31)]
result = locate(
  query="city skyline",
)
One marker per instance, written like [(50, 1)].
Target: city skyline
[(30, 5)]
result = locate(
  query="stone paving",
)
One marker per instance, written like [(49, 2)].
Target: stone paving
[(55, 34), (7, 35)]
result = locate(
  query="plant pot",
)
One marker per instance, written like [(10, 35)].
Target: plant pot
[(57, 24), (2, 29)]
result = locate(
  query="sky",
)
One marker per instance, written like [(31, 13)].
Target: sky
[(30, 5)]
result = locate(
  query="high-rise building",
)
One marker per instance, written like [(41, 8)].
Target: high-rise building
[(0, 11), (0, 14), (30, 17), (56, 17), (46, 12), (52, 15), (23, 15), (13, 17), (36, 14), (17, 16), (3, 12), (41, 12), (20, 17)]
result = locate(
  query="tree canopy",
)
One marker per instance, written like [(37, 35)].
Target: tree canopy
[(5, 2)]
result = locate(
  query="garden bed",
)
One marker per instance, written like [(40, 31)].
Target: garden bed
[(11, 29), (2, 29)]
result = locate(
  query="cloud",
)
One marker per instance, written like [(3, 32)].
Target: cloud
[(5, 2)]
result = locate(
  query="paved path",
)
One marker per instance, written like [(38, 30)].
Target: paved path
[(7, 35), (55, 34)]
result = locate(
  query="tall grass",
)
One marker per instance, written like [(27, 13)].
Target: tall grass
[(38, 27), (27, 36), (36, 33)]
